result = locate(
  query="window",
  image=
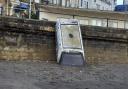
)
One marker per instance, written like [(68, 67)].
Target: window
[(81, 3), (126, 25), (87, 5), (98, 6), (102, 8), (120, 24), (113, 23)]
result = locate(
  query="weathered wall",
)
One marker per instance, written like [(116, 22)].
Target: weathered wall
[(106, 45), (100, 52), (20, 46), (35, 40)]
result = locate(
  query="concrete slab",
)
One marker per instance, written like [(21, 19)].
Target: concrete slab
[(49, 75)]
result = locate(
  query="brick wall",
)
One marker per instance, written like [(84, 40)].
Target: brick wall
[(37, 42)]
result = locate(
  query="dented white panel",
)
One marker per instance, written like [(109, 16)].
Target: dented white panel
[(71, 36), (69, 39)]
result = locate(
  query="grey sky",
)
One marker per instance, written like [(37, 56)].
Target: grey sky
[(119, 2)]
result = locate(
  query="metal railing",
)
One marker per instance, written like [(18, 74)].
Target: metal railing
[(1, 10), (19, 13), (92, 21)]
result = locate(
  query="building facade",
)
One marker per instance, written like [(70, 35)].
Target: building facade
[(99, 4), (88, 4), (125, 2), (86, 17)]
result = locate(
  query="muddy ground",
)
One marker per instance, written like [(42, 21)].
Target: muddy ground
[(49, 75)]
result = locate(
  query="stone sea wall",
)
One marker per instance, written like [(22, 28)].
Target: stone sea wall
[(35, 40)]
